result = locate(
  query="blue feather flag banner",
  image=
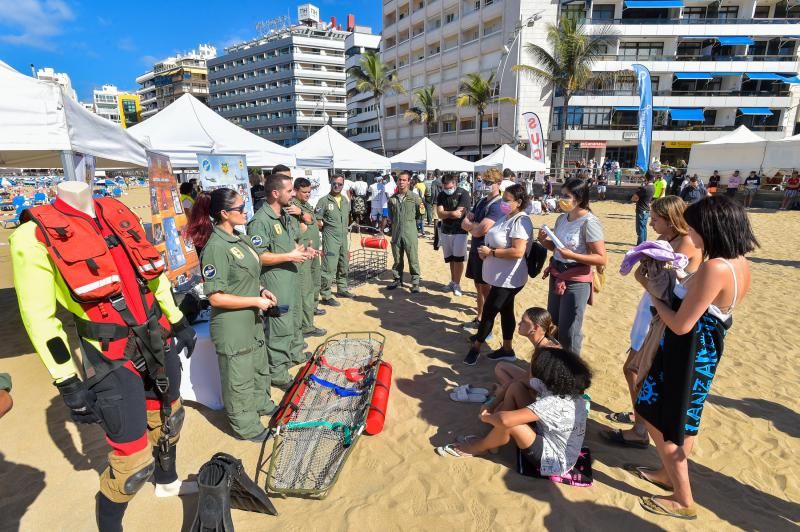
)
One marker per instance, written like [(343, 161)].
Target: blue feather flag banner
[(645, 117)]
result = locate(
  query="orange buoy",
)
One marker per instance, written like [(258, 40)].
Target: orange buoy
[(374, 242), (376, 416)]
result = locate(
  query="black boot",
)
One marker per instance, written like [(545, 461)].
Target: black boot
[(109, 514), (165, 472)]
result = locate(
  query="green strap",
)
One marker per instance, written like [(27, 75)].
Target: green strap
[(346, 429)]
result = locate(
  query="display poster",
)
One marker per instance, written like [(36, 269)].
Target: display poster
[(226, 171), (645, 127), (535, 136), (78, 167), (169, 220)]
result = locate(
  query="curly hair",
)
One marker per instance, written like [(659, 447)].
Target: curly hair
[(563, 372)]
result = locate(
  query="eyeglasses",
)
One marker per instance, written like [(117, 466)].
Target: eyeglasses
[(337, 185), (239, 209)]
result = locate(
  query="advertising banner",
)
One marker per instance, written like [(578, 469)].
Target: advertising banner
[(645, 116), (226, 171), (169, 219), (535, 136)]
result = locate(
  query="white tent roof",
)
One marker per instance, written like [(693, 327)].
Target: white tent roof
[(740, 150), (187, 127), (508, 157), (425, 156), (38, 122), (782, 154), (327, 148)]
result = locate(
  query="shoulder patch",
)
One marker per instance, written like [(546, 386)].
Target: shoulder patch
[(256, 240), (209, 271)]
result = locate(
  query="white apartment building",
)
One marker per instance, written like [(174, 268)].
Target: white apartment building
[(173, 77), (714, 67), (48, 74), (283, 86), (439, 42), (362, 116), (106, 102)]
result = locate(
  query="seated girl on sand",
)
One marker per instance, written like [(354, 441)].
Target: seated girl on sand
[(550, 429), (513, 382)]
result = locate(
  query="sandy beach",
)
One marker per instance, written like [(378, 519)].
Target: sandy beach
[(744, 466)]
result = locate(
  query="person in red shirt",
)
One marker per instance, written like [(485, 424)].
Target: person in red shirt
[(790, 193)]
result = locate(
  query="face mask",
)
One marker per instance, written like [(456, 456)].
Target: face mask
[(565, 205), (505, 207), (450, 191)]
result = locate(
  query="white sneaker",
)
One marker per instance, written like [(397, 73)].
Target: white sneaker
[(457, 290)]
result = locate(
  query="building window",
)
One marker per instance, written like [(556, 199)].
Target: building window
[(470, 35), (728, 12), (391, 110), (450, 17), (448, 125), (602, 12), (576, 11), (489, 121), (694, 13), (466, 124), (761, 12), (641, 50), (493, 26), (433, 127)]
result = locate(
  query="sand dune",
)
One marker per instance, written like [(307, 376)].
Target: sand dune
[(744, 465)]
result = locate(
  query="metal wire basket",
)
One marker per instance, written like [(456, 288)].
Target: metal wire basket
[(365, 263), (322, 415)]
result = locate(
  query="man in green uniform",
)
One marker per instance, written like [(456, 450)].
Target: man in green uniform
[(332, 213), (310, 269), (274, 234), (232, 266), (403, 208), (5, 394)]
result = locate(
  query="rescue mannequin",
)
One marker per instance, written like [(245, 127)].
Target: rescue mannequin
[(90, 257)]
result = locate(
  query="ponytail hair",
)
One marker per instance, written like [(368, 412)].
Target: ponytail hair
[(541, 318), (207, 208)]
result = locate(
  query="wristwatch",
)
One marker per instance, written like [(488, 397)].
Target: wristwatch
[(493, 252)]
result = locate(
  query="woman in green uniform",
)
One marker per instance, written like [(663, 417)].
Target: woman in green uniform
[(231, 270)]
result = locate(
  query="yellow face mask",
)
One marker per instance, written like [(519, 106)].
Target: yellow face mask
[(565, 205)]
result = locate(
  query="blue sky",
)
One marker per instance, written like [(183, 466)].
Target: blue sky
[(113, 42)]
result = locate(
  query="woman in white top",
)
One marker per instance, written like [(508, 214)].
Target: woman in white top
[(673, 394), (505, 270), (571, 267)]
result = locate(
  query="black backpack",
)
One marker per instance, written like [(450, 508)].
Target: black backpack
[(536, 259)]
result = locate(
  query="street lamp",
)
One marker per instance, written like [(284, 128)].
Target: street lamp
[(512, 41)]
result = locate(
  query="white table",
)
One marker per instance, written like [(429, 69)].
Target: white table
[(200, 380)]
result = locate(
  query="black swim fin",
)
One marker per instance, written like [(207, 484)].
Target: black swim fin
[(245, 494), (214, 499)]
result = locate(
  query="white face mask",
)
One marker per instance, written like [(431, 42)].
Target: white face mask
[(449, 191)]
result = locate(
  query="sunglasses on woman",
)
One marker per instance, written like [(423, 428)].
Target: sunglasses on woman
[(239, 209)]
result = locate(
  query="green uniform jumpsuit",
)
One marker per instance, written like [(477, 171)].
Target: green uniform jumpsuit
[(310, 269), (5, 382), (335, 243), (273, 233), (231, 266), (402, 213)]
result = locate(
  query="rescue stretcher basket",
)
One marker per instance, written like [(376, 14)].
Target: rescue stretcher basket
[(322, 415), (368, 255)]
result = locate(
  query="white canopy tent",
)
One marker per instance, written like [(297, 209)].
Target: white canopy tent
[(38, 121), (782, 154), (508, 157), (327, 148), (426, 156), (740, 150), (187, 127)]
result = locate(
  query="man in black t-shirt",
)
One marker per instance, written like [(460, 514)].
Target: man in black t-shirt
[(643, 197), (751, 184), (713, 182), (452, 205)]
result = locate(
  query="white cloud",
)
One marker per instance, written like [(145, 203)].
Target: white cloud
[(33, 22), (126, 44)]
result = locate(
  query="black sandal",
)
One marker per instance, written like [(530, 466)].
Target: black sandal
[(621, 417), (616, 437)]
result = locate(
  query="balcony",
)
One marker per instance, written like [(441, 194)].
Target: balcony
[(692, 21), (662, 127), (706, 93), (687, 57)]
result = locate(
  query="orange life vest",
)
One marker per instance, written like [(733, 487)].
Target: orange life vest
[(83, 257)]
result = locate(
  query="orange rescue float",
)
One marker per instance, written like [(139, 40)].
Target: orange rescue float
[(376, 416), (374, 242)]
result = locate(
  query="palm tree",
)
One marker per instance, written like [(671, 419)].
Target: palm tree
[(479, 93), (373, 76), (426, 111), (569, 68)]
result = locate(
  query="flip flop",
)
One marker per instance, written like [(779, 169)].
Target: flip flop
[(449, 451), (641, 472), (472, 389), (462, 395), (652, 505), (621, 417), (616, 437)]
